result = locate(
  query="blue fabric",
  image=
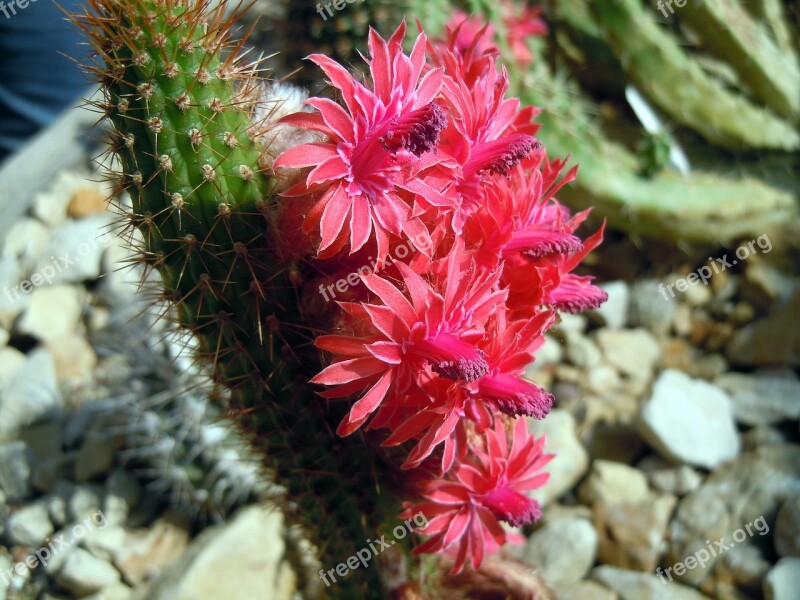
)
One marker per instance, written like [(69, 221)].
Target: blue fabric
[(36, 81)]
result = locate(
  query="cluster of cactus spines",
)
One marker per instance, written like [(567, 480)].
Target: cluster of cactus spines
[(184, 133)]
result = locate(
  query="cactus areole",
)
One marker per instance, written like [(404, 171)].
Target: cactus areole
[(368, 278)]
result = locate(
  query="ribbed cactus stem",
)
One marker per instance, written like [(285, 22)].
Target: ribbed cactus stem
[(184, 133)]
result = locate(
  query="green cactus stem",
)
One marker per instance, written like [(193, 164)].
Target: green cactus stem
[(183, 131)]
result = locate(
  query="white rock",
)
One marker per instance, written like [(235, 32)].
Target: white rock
[(633, 351), (30, 393), (669, 478), (76, 249), (613, 482), (243, 561), (50, 206), (690, 421), (762, 398), (633, 585), (13, 300), (120, 280), (564, 550), (601, 379), (783, 580), (581, 351), (83, 573), (11, 360), (15, 470), (584, 590), (5, 565), (27, 241), (53, 312), (614, 311), (571, 460), (84, 501), (30, 525), (74, 357)]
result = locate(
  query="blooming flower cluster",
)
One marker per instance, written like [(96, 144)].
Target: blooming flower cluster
[(433, 346)]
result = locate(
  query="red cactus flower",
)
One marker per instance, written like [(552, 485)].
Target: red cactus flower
[(465, 508)]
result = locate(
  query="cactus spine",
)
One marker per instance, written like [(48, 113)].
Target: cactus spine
[(183, 131)]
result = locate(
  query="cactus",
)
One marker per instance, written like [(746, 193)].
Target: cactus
[(246, 212)]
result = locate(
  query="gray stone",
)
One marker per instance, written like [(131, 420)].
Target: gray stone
[(744, 566), (762, 398), (771, 341), (581, 351), (240, 562), (11, 360), (612, 482), (107, 543), (571, 460), (634, 352), (631, 534), (745, 492), (15, 470), (633, 585), (13, 300), (83, 573), (29, 525), (81, 243), (145, 552), (27, 241), (783, 580), (31, 393), (787, 527), (689, 421), (601, 379), (95, 457), (563, 549), (663, 476), (85, 500), (53, 312), (122, 494), (651, 306), (614, 311), (763, 285), (584, 590), (762, 435)]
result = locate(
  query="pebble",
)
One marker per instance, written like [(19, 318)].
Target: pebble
[(613, 482), (84, 501), (5, 583), (584, 590), (581, 351), (563, 549), (53, 312), (649, 308), (76, 249), (87, 201), (27, 241), (12, 299), (30, 393), (762, 435), (745, 567), (633, 351), (147, 551), (83, 573), (74, 357), (633, 585), (763, 285), (11, 360), (783, 580), (122, 494), (29, 525), (245, 557), (631, 534), (95, 457), (787, 527), (746, 491), (762, 398), (771, 341), (15, 470), (665, 477), (614, 312), (571, 460), (50, 206), (689, 421)]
